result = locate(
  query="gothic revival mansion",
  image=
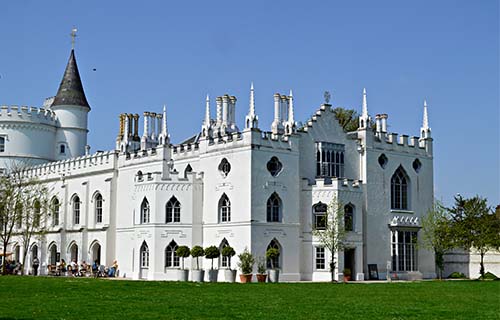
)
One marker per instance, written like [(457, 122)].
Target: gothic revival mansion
[(243, 186)]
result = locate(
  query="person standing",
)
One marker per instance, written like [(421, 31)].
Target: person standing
[(35, 264)]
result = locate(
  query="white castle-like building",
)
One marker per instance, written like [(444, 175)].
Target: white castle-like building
[(244, 187)]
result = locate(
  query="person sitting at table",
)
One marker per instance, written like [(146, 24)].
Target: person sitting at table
[(112, 269)]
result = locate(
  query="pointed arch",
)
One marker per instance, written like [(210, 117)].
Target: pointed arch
[(52, 253), (223, 261), (54, 208), (171, 258), (224, 208), (173, 210), (73, 250), (95, 251), (75, 205), (274, 208), (145, 211), (187, 170), (276, 262), (349, 210), (400, 189), (98, 207), (319, 215), (144, 255)]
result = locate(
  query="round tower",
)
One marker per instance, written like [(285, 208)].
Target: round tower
[(71, 108)]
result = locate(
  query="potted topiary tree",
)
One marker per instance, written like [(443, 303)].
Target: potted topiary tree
[(183, 252), (347, 274), (212, 252), (197, 275), (246, 266), (272, 254), (261, 270), (229, 274)]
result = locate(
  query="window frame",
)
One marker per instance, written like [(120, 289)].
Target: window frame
[(173, 211), (98, 208), (172, 260), (320, 258), (274, 208), (224, 208), (404, 250), (145, 214), (400, 190), (76, 209)]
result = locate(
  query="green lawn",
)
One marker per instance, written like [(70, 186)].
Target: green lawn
[(74, 298)]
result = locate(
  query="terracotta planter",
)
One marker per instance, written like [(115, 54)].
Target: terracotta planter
[(245, 278), (261, 277), (347, 278)]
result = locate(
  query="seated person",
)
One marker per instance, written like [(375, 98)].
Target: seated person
[(74, 267), (83, 268), (112, 269)]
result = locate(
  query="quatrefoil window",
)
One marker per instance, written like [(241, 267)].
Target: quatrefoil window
[(274, 166)]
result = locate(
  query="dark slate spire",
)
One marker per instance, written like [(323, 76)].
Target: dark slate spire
[(71, 89)]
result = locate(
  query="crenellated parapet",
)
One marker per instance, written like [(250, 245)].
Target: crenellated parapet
[(80, 165), (32, 115)]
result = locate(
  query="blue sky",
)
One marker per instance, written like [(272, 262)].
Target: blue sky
[(176, 52)]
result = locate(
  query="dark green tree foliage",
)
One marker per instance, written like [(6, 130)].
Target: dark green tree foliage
[(183, 252), (475, 226), (247, 261), (271, 254), (228, 252), (211, 253), (348, 118), (197, 252)]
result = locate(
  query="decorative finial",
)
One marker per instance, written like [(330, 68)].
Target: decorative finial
[(425, 122), (207, 111), (73, 36), (291, 93), (327, 96), (365, 104)]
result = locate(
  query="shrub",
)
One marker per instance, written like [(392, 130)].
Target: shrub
[(246, 262), (489, 276), (347, 272), (456, 275), (212, 252), (261, 265), (272, 254), (228, 252), (183, 252), (196, 252)]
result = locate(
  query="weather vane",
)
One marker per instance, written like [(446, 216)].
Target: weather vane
[(73, 36), (327, 96)]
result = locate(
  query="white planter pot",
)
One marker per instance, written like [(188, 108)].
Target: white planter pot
[(230, 275), (182, 275), (197, 275), (212, 275), (274, 275)]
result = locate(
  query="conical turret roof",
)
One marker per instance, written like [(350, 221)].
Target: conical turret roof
[(71, 89)]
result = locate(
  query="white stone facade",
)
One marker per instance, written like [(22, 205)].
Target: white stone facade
[(273, 182)]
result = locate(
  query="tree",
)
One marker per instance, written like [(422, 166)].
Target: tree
[(23, 209), (333, 235), (183, 252), (348, 118), (196, 252), (437, 235), (475, 226), (211, 253), (228, 252)]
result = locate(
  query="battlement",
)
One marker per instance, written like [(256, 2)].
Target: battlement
[(342, 184), (401, 143), (27, 114), (79, 165), (173, 177)]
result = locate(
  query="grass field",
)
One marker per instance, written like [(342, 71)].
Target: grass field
[(75, 298)]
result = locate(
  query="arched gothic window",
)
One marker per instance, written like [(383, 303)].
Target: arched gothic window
[(319, 216), (76, 209), (171, 258), (276, 262), (98, 208), (55, 211), (144, 255), (224, 261), (399, 189), (349, 217), (224, 209), (274, 208), (36, 213), (2, 144), (173, 211), (145, 211), (187, 170)]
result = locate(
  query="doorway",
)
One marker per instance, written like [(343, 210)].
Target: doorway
[(349, 262)]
